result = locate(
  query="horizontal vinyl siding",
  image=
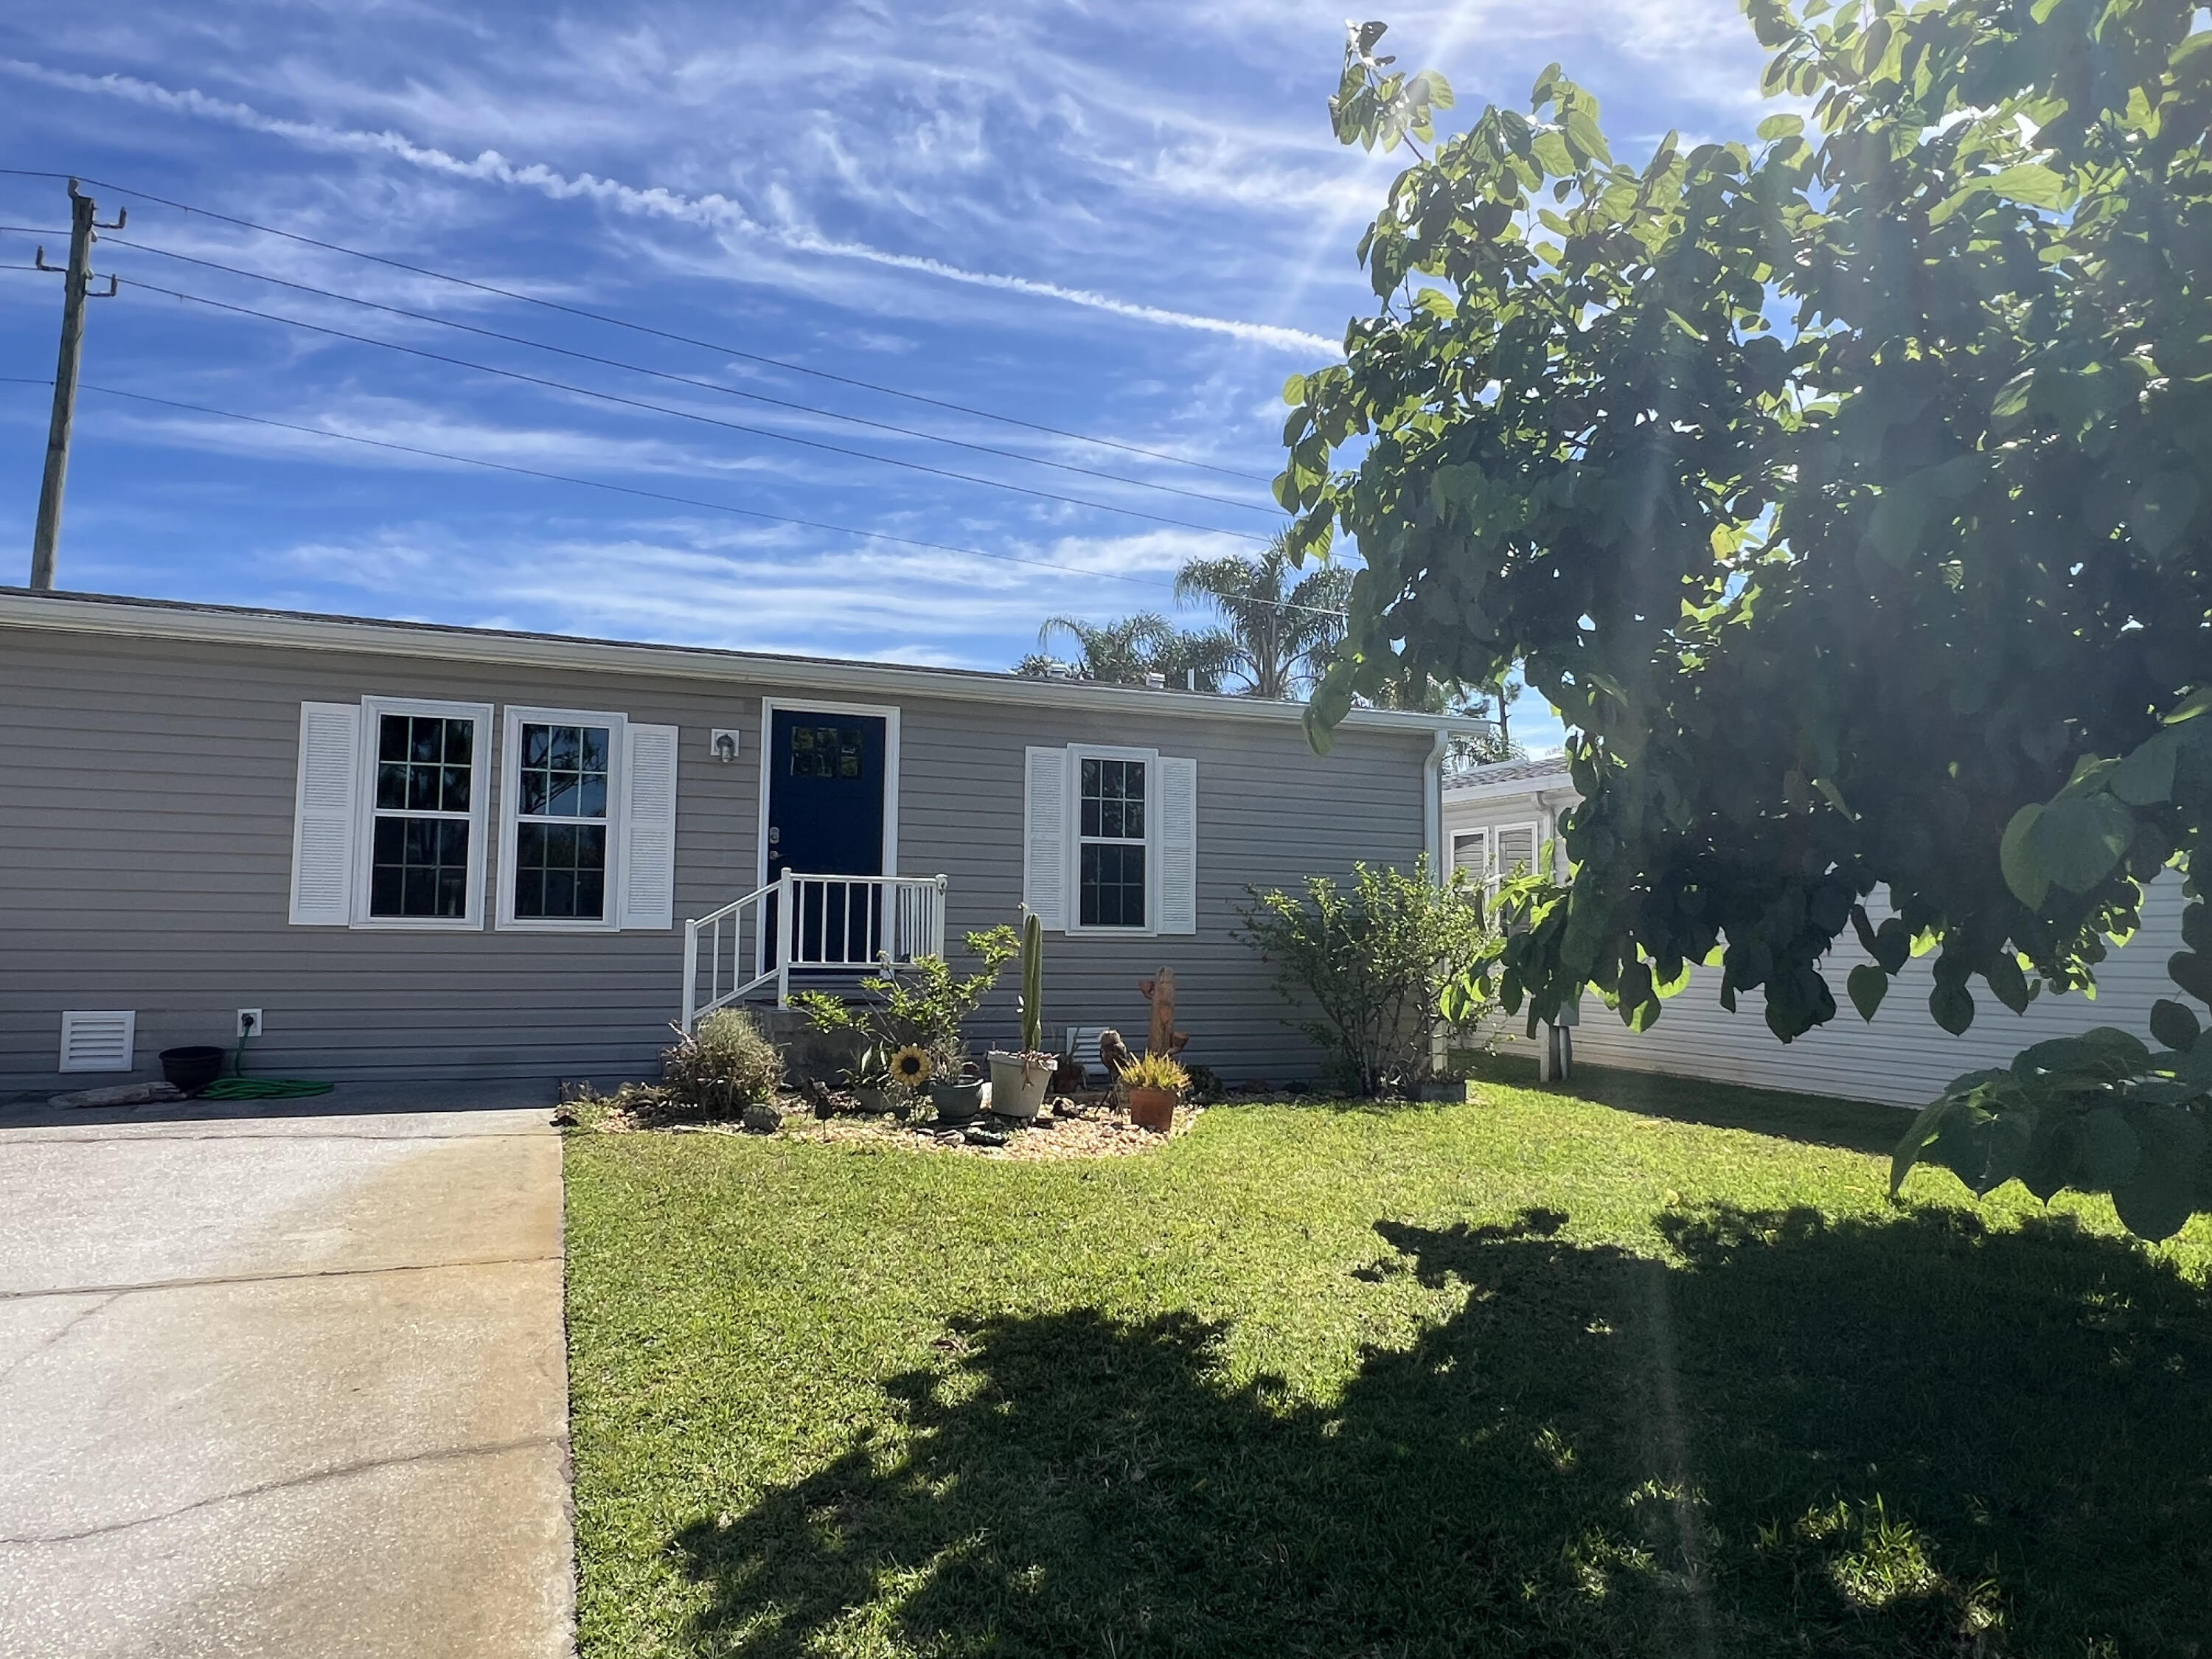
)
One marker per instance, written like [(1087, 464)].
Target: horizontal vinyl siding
[(1903, 1058), (147, 833), (1270, 814)]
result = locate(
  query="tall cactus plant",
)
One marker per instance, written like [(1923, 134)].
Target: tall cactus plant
[(1033, 984)]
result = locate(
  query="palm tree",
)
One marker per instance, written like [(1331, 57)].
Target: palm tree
[(1279, 632), (1122, 652)]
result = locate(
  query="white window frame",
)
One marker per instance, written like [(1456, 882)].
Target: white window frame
[(1077, 754), (373, 709), (1535, 828), (510, 816)]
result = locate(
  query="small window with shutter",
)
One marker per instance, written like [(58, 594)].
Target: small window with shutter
[(1110, 839)]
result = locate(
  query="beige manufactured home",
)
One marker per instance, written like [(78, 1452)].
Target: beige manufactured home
[(429, 852)]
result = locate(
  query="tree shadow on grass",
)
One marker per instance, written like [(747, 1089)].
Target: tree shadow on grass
[(1902, 1438), (1858, 1126)]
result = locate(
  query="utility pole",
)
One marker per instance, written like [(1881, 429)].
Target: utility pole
[(77, 288)]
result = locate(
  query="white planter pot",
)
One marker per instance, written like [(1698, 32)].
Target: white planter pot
[(1018, 1084)]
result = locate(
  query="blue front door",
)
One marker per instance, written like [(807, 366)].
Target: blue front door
[(825, 817)]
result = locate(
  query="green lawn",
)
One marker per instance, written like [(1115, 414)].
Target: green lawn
[(1647, 1369)]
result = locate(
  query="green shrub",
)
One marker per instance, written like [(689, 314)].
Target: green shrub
[(724, 1066), (1373, 960)]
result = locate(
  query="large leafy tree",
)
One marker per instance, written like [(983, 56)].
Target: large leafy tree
[(1279, 626), (1841, 491)]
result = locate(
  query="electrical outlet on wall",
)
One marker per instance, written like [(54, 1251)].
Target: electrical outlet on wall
[(249, 1022)]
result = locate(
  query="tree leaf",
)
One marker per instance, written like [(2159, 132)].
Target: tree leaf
[(2032, 185), (2162, 1192), (2109, 1151), (1953, 1006), (1868, 985), (1781, 126), (2012, 399), (2174, 1025), (2006, 982), (1892, 945), (2023, 873), (2192, 972), (2146, 777), (1983, 1148), (1893, 529), (2077, 843)]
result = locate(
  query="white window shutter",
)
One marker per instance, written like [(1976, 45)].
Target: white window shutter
[(1045, 837), (1178, 908), (648, 886), (1470, 853), (325, 814), (1517, 850)]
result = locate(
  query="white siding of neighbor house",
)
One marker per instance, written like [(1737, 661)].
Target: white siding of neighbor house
[(1903, 1058), (148, 823)]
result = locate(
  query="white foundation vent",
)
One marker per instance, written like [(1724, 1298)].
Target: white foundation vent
[(98, 1039)]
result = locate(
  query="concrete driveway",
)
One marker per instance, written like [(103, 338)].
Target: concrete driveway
[(287, 1384)]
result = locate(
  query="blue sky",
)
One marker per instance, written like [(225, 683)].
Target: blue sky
[(1127, 221)]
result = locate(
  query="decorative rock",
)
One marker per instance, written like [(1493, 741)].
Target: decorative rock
[(982, 1135), (760, 1120), (121, 1094)]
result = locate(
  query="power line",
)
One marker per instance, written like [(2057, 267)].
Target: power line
[(664, 374), (685, 414), (658, 333), (589, 483), (616, 489)]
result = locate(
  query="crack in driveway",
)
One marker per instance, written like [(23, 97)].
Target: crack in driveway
[(313, 1477)]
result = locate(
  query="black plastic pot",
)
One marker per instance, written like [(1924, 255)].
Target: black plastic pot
[(193, 1068)]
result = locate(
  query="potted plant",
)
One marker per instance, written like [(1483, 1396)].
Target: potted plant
[(1155, 1085), (915, 1016), (1018, 1081)]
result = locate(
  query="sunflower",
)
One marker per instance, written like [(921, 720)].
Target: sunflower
[(910, 1066)]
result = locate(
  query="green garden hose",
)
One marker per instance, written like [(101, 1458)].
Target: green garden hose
[(238, 1086)]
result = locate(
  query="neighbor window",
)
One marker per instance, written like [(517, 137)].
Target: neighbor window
[(1112, 852), (422, 815), (558, 847)]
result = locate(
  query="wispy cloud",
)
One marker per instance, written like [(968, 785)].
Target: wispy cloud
[(712, 211)]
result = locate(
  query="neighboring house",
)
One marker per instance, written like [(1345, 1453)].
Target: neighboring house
[(429, 852), (1903, 1057)]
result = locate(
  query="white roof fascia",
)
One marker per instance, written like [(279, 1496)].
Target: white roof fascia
[(1507, 788), (224, 625)]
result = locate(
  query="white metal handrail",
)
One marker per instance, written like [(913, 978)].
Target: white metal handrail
[(803, 923)]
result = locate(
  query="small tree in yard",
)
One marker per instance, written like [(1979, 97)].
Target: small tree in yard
[(1376, 959)]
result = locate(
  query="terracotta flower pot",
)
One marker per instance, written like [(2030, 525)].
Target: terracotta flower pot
[(1152, 1108)]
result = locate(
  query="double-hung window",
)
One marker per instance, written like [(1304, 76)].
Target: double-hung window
[(391, 823), (425, 785), (1113, 853), (1110, 839), (560, 853)]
